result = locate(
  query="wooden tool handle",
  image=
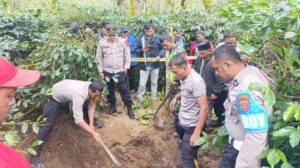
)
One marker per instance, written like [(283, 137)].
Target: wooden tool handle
[(113, 158)]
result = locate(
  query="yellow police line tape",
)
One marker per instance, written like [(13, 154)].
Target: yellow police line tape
[(154, 59)]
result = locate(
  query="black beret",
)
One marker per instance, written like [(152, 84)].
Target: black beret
[(204, 45)]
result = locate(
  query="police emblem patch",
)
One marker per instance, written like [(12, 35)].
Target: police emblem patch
[(243, 100)]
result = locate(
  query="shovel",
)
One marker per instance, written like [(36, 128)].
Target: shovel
[(158, 122), (112, 157)]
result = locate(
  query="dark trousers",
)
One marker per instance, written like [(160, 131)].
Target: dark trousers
[(219, 108), (229, 157), (122, 88), (52, 110), (132, 77), (188, 153)]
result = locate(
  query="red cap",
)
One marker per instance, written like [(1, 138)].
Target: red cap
[(10, 76)]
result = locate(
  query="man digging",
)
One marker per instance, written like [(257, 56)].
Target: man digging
[(83, 96)]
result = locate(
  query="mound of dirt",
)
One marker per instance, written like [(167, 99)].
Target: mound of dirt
[(70, 146)]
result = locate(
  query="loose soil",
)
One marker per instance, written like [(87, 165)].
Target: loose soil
[(133, 144)]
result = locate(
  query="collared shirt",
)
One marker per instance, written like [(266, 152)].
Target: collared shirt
[(76, 92), (191, 88), (254, 142), (113, 57)]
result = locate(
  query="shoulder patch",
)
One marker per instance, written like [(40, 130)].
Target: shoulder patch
[(244, 102), (253, 116)]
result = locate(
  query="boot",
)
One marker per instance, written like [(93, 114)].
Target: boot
[(112, 109), (130, 112), (36, 162), (98, 123)]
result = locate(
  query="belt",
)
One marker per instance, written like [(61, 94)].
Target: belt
[(235, 143)]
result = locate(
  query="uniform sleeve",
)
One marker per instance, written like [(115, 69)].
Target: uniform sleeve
[(77, 109), (99, 57), (127, 57), (254, 142)]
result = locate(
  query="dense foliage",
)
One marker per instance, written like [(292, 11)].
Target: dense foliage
[(268, 32)]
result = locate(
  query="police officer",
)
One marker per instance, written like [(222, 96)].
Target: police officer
[(83, 96), (113, 56), (246, 116)]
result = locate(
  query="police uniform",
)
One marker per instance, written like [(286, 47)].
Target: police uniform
[(246, 121), (113, 58)]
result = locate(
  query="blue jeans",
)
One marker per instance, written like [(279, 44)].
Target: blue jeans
[(188, 153), (143, 81)]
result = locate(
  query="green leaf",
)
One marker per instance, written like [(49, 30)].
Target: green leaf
[(24, 128), (264, 154), (290, 35), (115, 79), (297, 112), (255, 86), (297, 87), (294, 139), (281, 155), (144, 122), (269, 98), (273, 158), (289, 112), (222, 131), (11, 138), (296, 72), (35, 128), (200, 141), (107, 79), (31, 151), (286, 165), (285, 131), (36, 143)]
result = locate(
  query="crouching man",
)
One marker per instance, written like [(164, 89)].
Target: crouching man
[(193, 109), (83, 96)]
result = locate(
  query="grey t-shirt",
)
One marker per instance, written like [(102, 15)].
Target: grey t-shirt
[(191, 88)]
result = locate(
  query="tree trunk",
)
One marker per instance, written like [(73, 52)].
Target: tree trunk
[(206, 3), (132, 8), (182, 3)]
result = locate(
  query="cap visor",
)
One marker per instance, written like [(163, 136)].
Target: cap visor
[(23, 78)]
